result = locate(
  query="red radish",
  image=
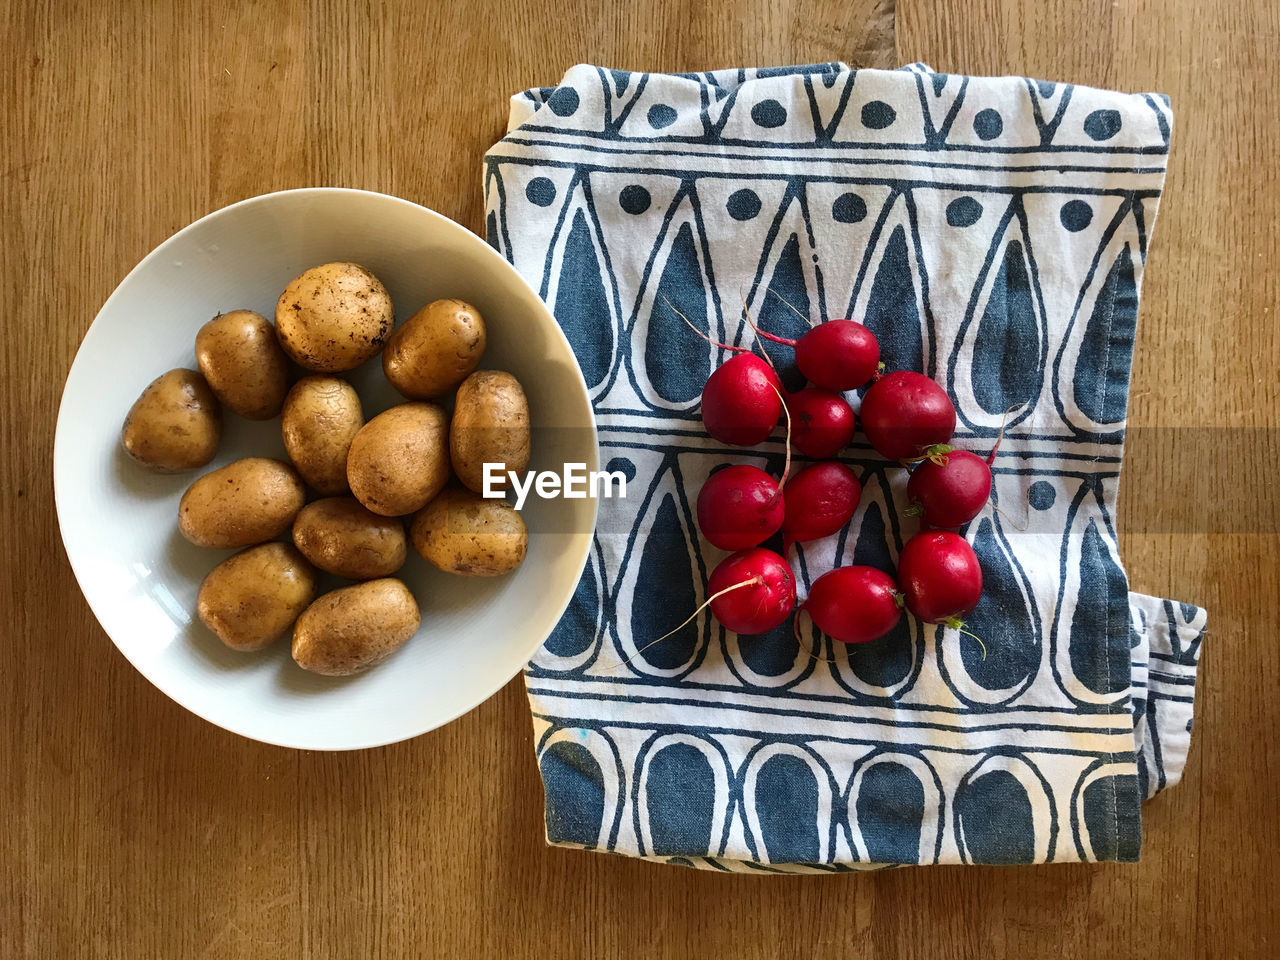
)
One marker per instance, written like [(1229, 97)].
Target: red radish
[(752, 591), (742, 401), (940, 577), (820, 499), (739, 507), (949, 488), (854, 604), (905, 414), (822, 422), (836, 355)]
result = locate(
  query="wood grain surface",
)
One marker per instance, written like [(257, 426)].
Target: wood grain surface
[(131, 829)]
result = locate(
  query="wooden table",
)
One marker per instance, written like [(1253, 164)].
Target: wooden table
[(131, 829)]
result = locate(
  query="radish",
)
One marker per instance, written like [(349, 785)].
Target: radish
[(742, 400), (854, 604), (949, 488), (752, 591), (819, 500), (822, 422), (738, 507), (906, 414), (836, 355), (940, 577)]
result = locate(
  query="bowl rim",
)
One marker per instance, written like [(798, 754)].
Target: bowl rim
[(61, 479)]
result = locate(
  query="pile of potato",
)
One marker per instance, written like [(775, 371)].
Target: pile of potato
[(368, 476)]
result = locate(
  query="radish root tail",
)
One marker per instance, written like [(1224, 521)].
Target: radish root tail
[(795, 629), (714, 343), (991, 457), (761, 333), (792, 307), (706, 603)]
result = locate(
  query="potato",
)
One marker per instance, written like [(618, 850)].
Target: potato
[(246, 502), (252, 599), (353, 628), (461, 532), (435, 349), (175, 424), (320, 418), (400, 459), (341, 537), (490, 425), (238, 354), (334, 317)]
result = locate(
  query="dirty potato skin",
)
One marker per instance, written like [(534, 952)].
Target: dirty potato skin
[(241, 359), (334, 317), (252, 599), (435, 349), (246, 502), (175, 424), (490, 425), (400, 459), (461, 532), (321, 417), (341, 537), (354, 628)]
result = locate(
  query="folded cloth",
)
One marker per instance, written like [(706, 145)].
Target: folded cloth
[(992, 233)]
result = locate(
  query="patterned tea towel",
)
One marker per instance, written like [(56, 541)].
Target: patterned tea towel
[(992, 232)]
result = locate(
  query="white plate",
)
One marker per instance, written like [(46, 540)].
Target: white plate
[(119, 521)]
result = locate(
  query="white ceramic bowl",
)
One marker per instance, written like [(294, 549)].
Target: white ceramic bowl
[(119, 521)]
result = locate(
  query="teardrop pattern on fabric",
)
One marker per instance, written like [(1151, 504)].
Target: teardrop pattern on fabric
[(892, 313), (1008, 358), (575, 798), (994, 821), (1103, 596), (771, 654), (1100, 800), (890, 808), (582, 304), (777, 318), (665, 593), (1003, 619), (578, 629), (680, 795), (1101, 391), (678, 361), (886, 662), (786, 804)]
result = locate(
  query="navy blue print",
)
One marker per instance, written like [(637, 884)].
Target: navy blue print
[(1103, 598), (581, 303), (661, 115), (892, 314), (877, 115), (993, 815), (564, 102), (987, 124), (665, 559), (622, 465), (541, 191), (769, 114), (1102, 124), (680, 793), (1108, 343), (1002, 619), (1007, 358), (575, 782), (1041, 495), (1100, 816), (890, 808), (1076, 215), (676, 358), (777, 318), (743, 205), (849, 208), (634, 199), (786, 802), (963, 212)]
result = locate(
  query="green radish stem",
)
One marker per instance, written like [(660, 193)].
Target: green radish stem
[(955, 623)]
